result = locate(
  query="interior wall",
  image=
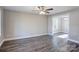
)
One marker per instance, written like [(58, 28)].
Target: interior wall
[(25, 25), (74, 25), (1, 27), (19, 24), (0, 22)]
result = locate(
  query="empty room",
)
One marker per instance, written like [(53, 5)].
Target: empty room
[(39, 28)]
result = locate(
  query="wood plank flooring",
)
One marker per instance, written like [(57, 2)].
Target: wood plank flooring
[(34, 44)]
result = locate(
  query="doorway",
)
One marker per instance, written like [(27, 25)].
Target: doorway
[(60, 24)]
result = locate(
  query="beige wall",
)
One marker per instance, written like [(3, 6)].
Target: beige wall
[(19, 24)]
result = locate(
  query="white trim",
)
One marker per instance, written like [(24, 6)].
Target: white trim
[(73, 40), (21, 37)]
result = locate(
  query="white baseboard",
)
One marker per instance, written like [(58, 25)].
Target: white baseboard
[(73, 41), (21, 37)]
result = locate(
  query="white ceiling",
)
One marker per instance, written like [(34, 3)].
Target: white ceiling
[(29, 9)]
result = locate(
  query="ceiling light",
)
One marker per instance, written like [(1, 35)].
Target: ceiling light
[(42, 12)]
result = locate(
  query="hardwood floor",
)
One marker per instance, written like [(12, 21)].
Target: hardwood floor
[(39, 44), (34, 44)]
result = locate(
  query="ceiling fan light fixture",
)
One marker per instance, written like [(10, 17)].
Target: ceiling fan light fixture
[(42, 12)]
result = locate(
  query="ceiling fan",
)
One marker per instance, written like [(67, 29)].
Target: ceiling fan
[(43, 9)]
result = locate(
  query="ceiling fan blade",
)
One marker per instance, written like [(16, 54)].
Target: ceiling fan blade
[(49, 9), (41, 8), (38, 7)]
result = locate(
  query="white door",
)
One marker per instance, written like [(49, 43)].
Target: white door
[(65, 24)]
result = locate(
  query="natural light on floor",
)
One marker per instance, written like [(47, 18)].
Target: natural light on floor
[(63, 36)]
